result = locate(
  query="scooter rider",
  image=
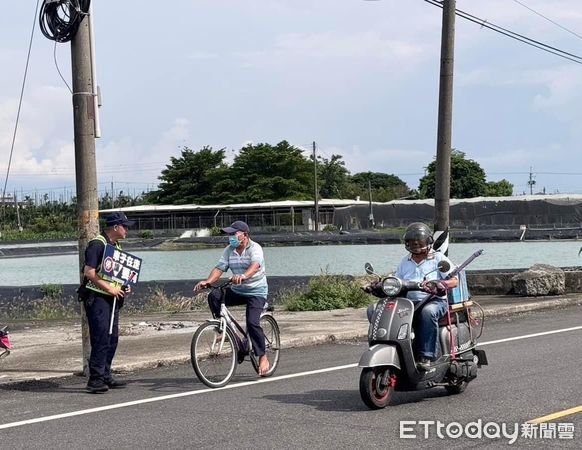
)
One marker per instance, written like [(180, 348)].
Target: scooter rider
[(421, 264)]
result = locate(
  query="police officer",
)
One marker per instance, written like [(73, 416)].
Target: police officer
[(97, 295)]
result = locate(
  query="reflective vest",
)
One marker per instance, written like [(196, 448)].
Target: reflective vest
[(90, 284)]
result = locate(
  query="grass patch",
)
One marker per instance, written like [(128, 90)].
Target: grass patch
[(52, 291), (326, 292), (160, 301), (52, 309), (41, 309)]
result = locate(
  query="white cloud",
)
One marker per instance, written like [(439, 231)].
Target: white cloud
[(350, 51)]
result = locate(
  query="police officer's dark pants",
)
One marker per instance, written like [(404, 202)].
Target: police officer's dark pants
[(255, 307), (103, 345)]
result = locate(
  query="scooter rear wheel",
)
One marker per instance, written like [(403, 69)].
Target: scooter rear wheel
[(376, 386)]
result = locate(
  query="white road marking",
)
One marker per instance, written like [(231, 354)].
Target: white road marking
[(171, 396), (238, 385), (527, 336)]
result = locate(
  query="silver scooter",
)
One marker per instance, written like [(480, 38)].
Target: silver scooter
[(390, 364)]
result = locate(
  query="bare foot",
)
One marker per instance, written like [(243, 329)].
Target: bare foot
[(263, 366)]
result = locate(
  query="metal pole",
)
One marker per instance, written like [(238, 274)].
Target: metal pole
[(85, 167), (96, 102), (371, 216), (443, 159), (316, 193)]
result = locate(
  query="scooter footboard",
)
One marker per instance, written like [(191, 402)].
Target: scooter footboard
[(380, 355)]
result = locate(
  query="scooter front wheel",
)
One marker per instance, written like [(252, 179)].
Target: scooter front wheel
[(376, 386)]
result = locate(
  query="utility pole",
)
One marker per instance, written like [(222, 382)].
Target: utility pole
[(316, 194), (444, 133), (17, 212), (531, 181), (84, 114), (371, 215)]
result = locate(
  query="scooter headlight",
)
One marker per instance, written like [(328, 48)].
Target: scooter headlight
[(391, 286)]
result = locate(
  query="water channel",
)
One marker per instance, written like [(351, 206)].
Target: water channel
[(295, 261)]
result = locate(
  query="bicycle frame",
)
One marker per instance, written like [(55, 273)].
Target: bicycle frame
[(227, 320), (213, 337)]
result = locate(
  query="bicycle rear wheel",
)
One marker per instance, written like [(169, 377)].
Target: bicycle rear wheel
[(272, 344), (213, 363)]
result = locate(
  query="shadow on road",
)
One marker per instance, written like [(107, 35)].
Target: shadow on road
[(348, 401), (42, 386), (323, 400)]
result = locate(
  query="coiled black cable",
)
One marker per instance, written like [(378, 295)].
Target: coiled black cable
[(59, 19)]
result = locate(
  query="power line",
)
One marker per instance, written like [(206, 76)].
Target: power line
[(19, 105), (548, 19), (513, 35)]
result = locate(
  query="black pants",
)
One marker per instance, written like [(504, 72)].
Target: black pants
[(103, 345), (255, 307)]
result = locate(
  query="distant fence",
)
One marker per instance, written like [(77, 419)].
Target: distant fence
[(545, 212)]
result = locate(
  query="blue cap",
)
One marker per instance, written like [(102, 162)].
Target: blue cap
[(239, 225), (118, 218)]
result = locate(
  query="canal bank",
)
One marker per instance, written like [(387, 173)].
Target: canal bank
[(16, 301), (13, 249)]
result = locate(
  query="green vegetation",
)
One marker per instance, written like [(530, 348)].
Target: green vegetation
[(327, 292), (159, 301), (52, 291), (216, 231), (264, 172), (145, 234), (258, 173), (52, 309), (50, 220), (467, 180)]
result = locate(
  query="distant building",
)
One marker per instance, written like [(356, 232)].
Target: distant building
[(287, 215), (531, 211)]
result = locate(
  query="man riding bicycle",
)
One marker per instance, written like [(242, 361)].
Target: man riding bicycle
[(245, 259)]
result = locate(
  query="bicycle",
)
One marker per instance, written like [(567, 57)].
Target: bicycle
[(219, 345)]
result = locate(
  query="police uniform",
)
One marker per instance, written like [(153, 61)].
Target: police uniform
[(98, 306)]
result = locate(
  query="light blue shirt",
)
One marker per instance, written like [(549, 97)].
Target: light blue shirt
[(238, 264), (410, 270)]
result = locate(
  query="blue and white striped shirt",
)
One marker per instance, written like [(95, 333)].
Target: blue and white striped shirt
[(238, 264)]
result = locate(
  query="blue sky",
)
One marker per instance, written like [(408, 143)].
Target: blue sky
[(358, 77)]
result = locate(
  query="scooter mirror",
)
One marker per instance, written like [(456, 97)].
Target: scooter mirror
[(369, 268), (444, 266)]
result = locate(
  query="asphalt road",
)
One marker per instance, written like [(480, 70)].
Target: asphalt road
[(527, 378)]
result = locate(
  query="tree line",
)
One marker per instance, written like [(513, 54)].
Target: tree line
[(264, 172), (258, 173)]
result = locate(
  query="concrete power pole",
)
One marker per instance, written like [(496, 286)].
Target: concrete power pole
[(316, 193), (85, 166), (444, 133), (531, 181)]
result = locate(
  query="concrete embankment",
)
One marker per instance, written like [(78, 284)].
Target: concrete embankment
[(480, 283)]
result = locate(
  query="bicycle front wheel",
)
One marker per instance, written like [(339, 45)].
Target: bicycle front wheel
[(272, 344), (213, 358)]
